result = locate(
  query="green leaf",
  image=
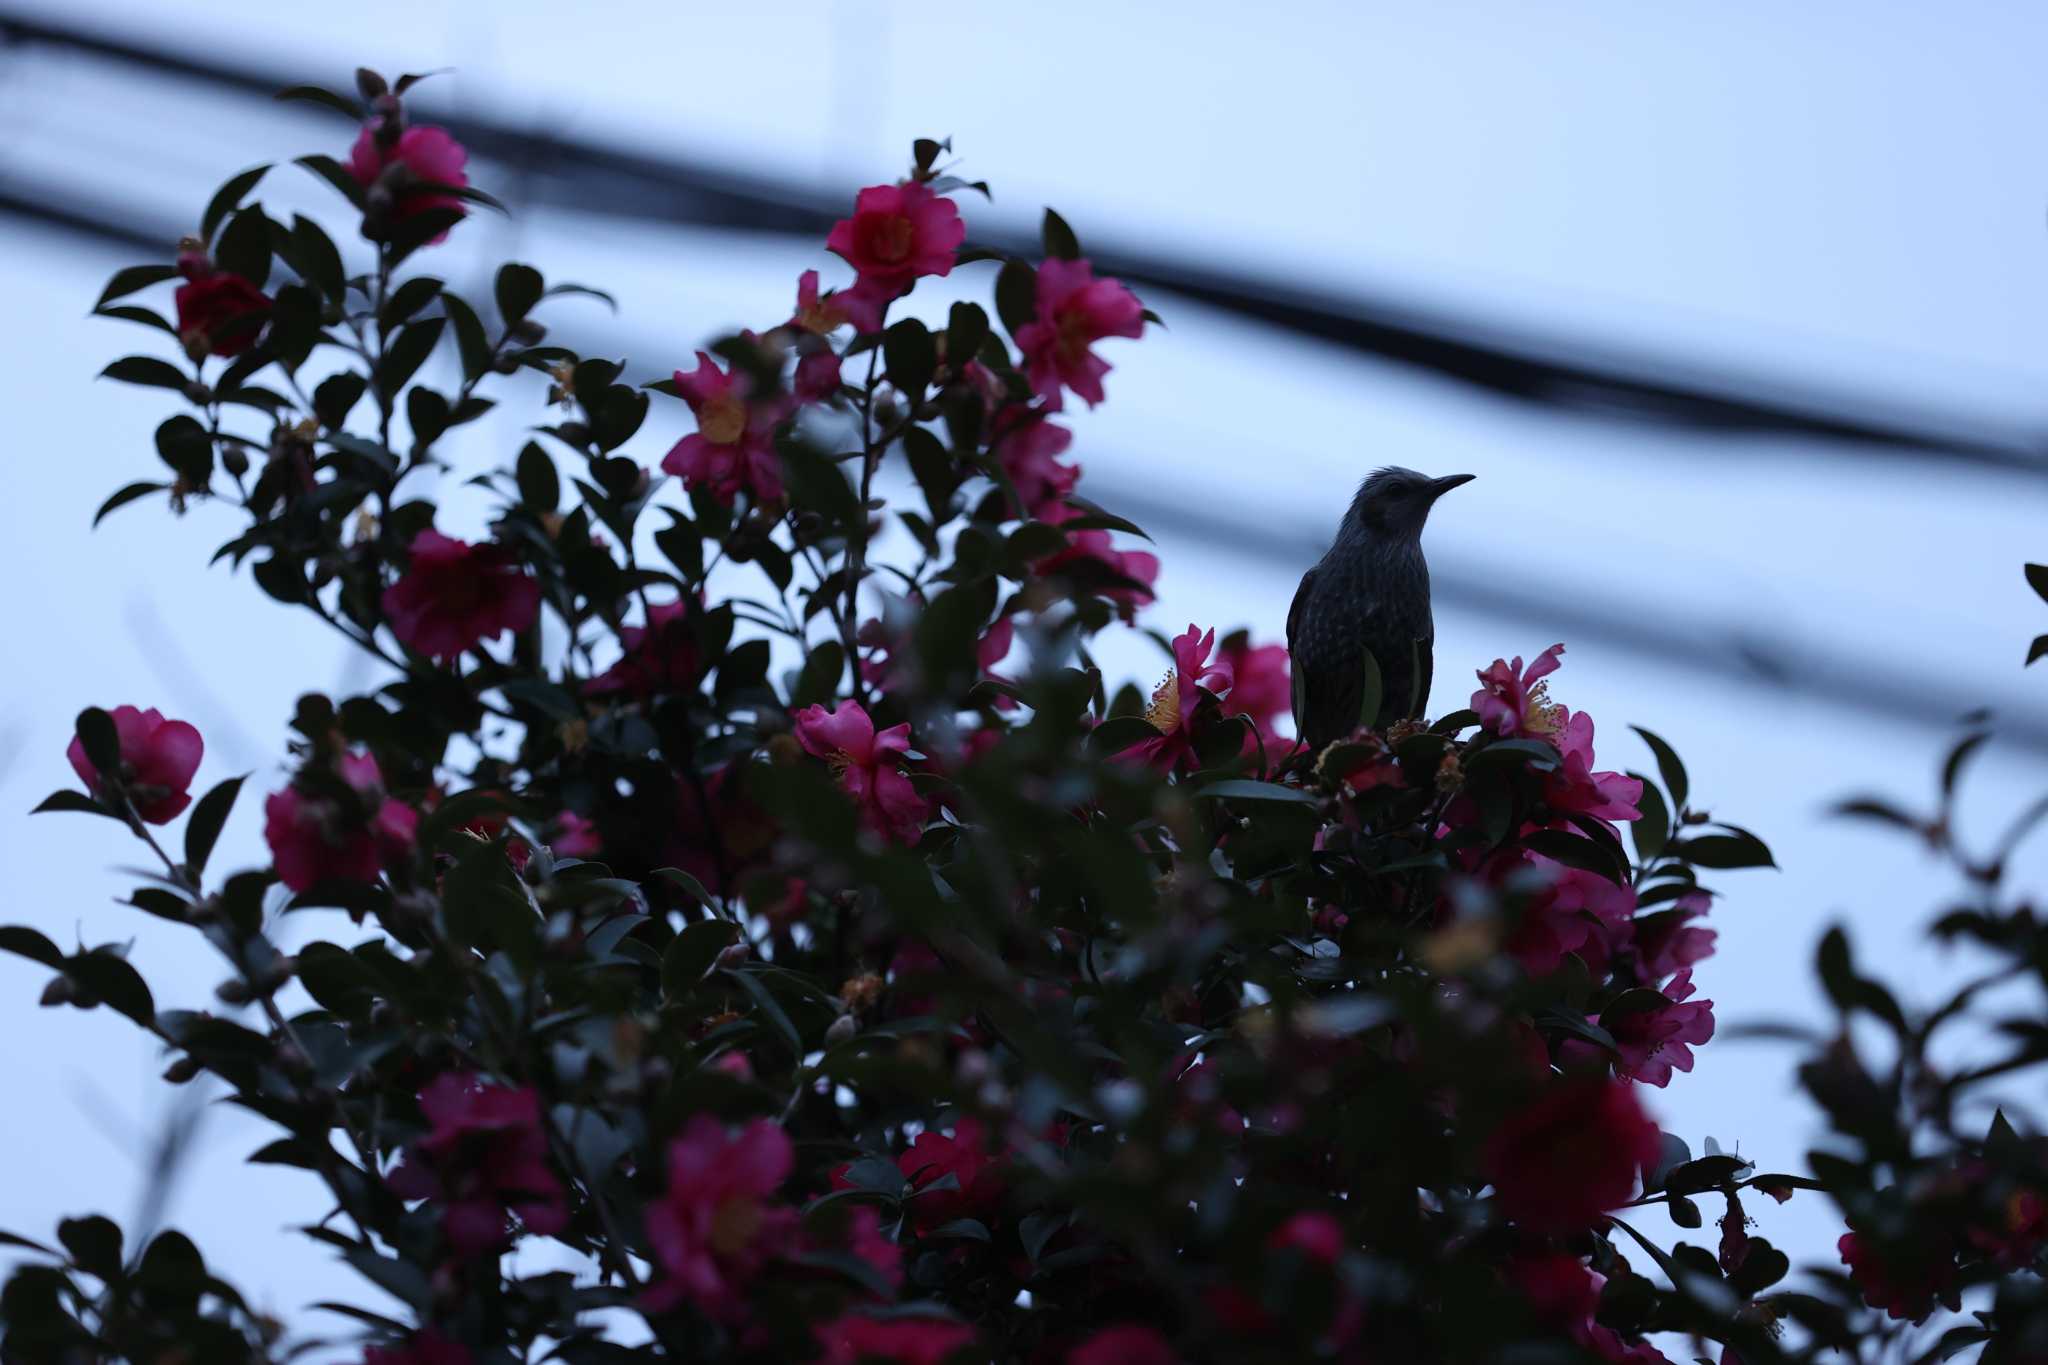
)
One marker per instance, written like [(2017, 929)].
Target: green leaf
[(208, 817), (470, 339), (336, 395), (1952, 769), (966, 329), (1371, 690), (31, 944), (750, 982), (114, 979), (401, 1279), (540, 486), (2037, 649), (134, 277), (403, 358), (1016, 295), (1723, 851), (228, 198), (911, 355), (326, 99), (689, 957), (518, 289), (315, 256), (1059, 239), (2037, 579), (337, 175), (73, 803), (675, 876), (406, 300), (95, 729), (1667, 764), (1119, 733), (245, 246), (818, 683), (1245, 789), (1653, 831), (147, 370), (94, 1243), (127, 495)]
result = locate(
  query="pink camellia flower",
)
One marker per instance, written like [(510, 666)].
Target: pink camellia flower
[(1513, 701), (158, 759), (453, 595), (1173, 702), (1262, 687), (1140, 567), (716, 1226), (422, 158), (861, 306), (317, 836), (486, 1156), (1030, 456), (731, 450), (817, 377), (660, 656), (1654, 1041), (1666, 942), (575, 837), (864, 1239), (897, 234), (219, 312), (857, 1339), (1129, 1343), (1906, 1282), (427, 1347), (1570, 915), (1563, 1294), (1315, 1234), (1571, 1154), (1075, 310), (869, 765), (1576, 787), (933, 1156)]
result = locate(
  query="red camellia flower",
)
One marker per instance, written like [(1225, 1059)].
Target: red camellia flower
[(158, 759), (219, 312), (1654, 1041), (1261, 687), (1574, 913), (454, 594), (965, 1156), (425, 1348), (1179, 692), (869, 765), (897, 234), (714, 1227), (485, 1156), (1030, 456), (1075, 310), (421, 157), (1139, 566), (1571, 1154), (860, 306), (660, 656), (1129, 1343), (1576, 787), (731, 449), (1905, 1287), (1667, 942), (1315, 1234), (575, 837), (1563, 1294), (316, 836), (1513, 701), (860, 1340)]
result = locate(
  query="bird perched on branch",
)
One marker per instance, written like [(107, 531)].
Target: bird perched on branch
[(1368, 595)]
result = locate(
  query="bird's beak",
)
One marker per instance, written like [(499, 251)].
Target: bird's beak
[(1439, 487)]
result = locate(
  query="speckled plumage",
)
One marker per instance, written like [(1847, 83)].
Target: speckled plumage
[(1370, 591)]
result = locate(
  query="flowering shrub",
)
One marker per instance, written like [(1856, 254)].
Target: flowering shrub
[(698, 896)]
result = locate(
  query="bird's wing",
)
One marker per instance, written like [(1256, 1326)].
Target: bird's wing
[(1425, 669), (1294, 643)]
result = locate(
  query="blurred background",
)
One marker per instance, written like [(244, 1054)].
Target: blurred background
[(1735, 311)]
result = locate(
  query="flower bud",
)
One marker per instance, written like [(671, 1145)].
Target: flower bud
[(235, 460), (234, 991), (843, 1028), (734, 955), (182, 1070), (527, 332)]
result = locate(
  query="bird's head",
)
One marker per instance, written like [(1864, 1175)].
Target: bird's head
[(1394, 503)]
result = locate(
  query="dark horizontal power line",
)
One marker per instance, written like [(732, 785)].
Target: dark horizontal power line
[(593, 177)]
